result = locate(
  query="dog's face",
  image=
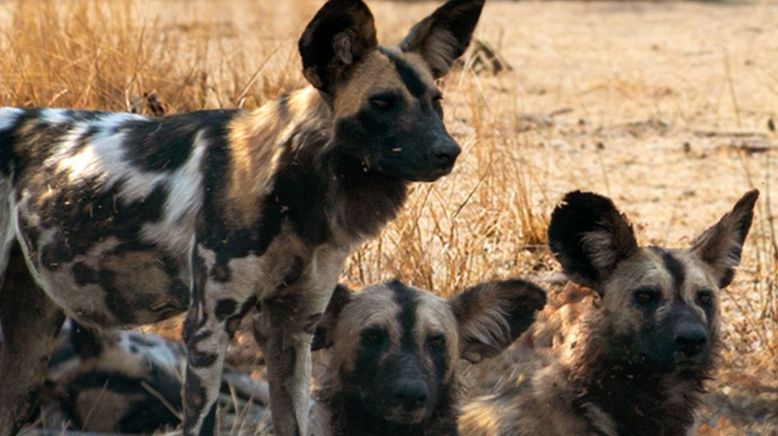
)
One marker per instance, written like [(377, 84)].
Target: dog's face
[(396, 349), (660, 305), (386, 104)]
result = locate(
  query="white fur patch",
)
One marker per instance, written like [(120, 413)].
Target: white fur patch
[(185, 198), (54, 116), (9, 116), (6, 223), (103, 159), (154, 350)]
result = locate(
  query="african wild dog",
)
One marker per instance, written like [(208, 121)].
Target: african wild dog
[(637, 362), (393, 367), (122, 219), (127, 382)]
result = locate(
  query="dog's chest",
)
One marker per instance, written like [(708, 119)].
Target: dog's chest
[(289, 266)]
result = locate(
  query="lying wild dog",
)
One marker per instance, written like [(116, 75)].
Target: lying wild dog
[(122, 219), (129, 382), (393, 364), (636, 361)]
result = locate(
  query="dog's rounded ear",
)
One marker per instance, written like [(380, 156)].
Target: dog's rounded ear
[(337, 38), (491, 315), (721, 245), (443, 37), (323, 338), (589, 237)]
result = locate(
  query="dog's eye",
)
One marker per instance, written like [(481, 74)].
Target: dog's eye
[(436, 342), (646, 296), (384, 101), (436, 104), (705, 297), (374, 337)]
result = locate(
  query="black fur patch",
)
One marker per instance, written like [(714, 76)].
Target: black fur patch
[(201, 359), (164, 144), (146, 413), (114, 299), (86, 343), (225, 308), (84, 274), (674, 267), (293, 274), (193, 340), (408, 74), (408, 301), (9, 137), (221, 272), (580, 213)]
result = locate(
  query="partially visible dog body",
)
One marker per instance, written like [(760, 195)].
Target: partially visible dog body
[(119, 219), (634, 361), (128, 382), (394, 354)]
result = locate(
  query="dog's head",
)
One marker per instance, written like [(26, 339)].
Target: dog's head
[(396, 349), (386, 104), (661, 305)]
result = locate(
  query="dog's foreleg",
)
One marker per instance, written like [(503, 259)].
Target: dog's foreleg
[(206, 343), (284, 330)]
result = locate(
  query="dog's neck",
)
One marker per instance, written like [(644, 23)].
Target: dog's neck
[(635, 400), (348, 417), (326, 193)]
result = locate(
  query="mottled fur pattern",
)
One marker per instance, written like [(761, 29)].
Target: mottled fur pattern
[(393, 364), (126, 382), (123, 219), (633, 360)]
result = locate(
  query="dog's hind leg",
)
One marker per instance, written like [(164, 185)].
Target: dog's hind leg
[(30, 323)]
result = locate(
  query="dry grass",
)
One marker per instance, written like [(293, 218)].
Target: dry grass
[(664, 107)]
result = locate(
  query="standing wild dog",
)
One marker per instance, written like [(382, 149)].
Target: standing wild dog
[(637, 363), (394, 363), (118, 219)]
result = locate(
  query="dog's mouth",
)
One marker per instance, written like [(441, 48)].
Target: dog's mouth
[(688, 364), (401, 416), (434, 174)]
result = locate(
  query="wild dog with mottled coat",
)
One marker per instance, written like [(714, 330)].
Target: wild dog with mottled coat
[(636, 361), (394, 354), (128, 382), (121, 219)]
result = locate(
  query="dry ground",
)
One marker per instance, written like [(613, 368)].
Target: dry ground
[(669, 108)]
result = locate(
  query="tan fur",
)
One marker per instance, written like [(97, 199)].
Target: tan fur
[(257, 140)]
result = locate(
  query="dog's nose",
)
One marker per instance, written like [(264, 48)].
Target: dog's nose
[(446, 153), (410, 394), (690, 338)]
